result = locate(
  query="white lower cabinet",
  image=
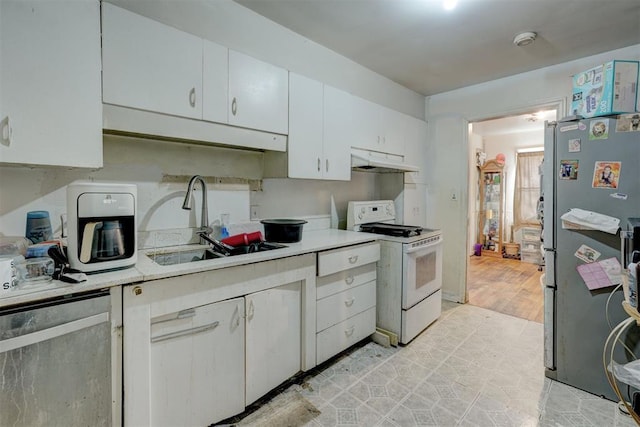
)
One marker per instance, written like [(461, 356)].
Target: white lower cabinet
[(273, 338), (346, 298), (196, 364), (199, 348)]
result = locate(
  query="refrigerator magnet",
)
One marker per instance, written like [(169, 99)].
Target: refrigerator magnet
[(569, 169), (628, 123), (599, 129), (574, 145), (606, 174), (587, 254)]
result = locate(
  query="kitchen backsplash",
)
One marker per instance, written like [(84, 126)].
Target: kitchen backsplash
[(161, 171)]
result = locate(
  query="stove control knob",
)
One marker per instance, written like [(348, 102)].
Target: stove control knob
[(360, 215), (389, 210)]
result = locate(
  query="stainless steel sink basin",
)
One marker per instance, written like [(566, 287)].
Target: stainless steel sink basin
[(183, 256)]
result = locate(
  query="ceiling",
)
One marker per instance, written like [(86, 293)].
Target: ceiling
[(423, 47)]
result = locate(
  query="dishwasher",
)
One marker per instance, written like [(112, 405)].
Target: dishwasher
[(56, 362)]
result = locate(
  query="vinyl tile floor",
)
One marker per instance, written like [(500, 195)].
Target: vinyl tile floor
[(472, 367)]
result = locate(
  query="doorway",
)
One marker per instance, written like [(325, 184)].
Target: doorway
[(506, 279)]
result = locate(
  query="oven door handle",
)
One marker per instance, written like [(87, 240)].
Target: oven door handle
[(414, 249)]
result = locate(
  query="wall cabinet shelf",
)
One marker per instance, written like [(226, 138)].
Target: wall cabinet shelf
[(491, 213)]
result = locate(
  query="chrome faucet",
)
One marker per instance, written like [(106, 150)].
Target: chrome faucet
[(204, 220)]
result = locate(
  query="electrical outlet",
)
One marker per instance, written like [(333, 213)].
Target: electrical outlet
[(254, 212)]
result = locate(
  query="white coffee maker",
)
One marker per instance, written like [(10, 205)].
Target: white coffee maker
[(102, 226)]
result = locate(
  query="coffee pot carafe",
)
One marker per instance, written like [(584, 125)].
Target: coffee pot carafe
[(102, 226)]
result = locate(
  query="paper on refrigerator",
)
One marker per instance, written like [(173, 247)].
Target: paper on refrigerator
[(579, 219)]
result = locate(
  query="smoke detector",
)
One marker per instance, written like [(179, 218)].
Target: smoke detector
[(524, 39)]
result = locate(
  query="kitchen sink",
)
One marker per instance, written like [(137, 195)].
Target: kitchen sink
[(183, 256), (192, 255)]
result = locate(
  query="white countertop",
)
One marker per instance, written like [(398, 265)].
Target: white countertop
[(145, 269)]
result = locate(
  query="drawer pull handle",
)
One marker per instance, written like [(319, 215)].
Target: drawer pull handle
[(353, 259), (318, 164), (190, 331), (349, 280), (350, 331), (350, 302)]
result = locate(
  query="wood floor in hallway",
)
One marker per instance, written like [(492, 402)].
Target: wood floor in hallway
[(507, 286)]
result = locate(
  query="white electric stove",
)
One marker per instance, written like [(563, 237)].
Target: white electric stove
[(409, 273)]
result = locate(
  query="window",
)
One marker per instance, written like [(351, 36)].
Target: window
[(527, 188)]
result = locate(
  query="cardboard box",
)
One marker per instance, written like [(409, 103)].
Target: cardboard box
[(610, 88)]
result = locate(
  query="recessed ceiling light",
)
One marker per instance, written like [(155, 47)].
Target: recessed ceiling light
[(449, 4), (525, 39)]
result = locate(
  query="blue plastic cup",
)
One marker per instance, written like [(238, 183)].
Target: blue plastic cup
[(38, 226)]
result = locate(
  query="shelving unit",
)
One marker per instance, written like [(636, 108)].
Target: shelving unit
[(491, 214)]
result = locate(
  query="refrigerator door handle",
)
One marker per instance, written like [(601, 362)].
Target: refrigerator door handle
[(550, 268), (549, 328)]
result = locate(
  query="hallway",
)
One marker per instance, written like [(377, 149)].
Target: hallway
[(507, 286)]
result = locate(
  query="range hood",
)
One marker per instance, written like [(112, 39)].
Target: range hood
[(374, 161)]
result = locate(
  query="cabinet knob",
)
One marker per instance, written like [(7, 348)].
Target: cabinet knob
[(192, 97), (318, 164), (350, 302), (349, 332), (326, 166), (349, 280), (137, 290), (234, 106), (353, 259)]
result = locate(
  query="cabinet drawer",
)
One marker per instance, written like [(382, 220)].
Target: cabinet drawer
[(531, 234), (333, 340), (343, 280), (335, 260), (341, 306)]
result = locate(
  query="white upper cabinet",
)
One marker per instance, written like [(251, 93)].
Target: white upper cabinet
[(149, 65), (306, 156), (318, 131), (50, 108), (337, 134), (377, 128), (416, 148), (258, 94), (215, 80)]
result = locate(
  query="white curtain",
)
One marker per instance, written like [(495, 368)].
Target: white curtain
[(527, 188)]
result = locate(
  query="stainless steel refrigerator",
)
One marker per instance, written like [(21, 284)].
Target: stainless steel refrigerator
[(593, 165)]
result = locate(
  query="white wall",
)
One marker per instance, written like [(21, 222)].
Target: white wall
[(509, 144), (515, 94)]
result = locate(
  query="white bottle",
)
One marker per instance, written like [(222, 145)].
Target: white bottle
[(633, 284)]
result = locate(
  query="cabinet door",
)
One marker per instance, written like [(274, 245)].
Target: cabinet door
[(305, 128), (338, 134), (149, 65), (215, 82), (50, 108), (392, 131), (273, 351), (258, 94), (197, 365), (365, 123), (416, 149)]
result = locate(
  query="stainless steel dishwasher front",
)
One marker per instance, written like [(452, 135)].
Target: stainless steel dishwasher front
[(55, 362)]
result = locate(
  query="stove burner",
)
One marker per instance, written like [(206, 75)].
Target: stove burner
[(391, 229)]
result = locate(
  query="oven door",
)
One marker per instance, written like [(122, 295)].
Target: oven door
[(422, 270)]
